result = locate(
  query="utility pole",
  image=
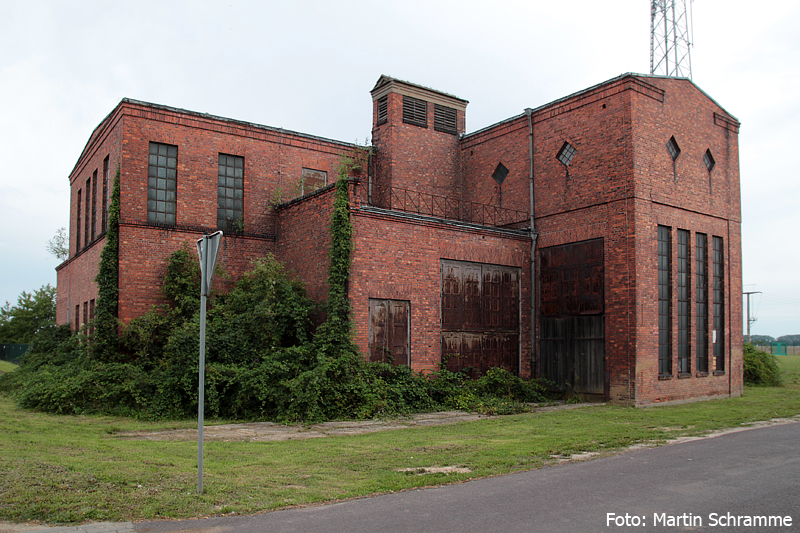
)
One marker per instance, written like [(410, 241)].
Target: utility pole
[(749, 320)]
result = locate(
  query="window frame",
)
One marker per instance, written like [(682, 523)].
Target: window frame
[(159, 174), (664, 269), (701, 301), (684, 301), (566, 154), (718, 284), (232, 201)]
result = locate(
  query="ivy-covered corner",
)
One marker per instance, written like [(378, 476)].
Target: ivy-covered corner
[(105, 341)]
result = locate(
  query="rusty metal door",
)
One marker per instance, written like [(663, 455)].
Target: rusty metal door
[(480, 317), (572, 323), (389, 331)]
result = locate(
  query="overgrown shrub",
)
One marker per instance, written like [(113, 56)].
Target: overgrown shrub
[(264, 359), (760, 368)]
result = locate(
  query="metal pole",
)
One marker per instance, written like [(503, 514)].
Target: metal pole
[(201, 398), (201, 374), (207, 248), (748, 312)]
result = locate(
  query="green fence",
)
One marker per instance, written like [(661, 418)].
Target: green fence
[(13, 352)]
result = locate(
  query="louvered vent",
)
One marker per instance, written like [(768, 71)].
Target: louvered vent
[(444, 119), (383, 110), (415, 111)]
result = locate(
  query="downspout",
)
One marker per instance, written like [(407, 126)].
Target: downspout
[(534, 237)]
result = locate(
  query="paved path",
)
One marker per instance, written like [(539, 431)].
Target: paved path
[(695, 485), (99, 527)]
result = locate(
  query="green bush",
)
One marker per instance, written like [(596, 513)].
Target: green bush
[(760, 368), (264, 359)]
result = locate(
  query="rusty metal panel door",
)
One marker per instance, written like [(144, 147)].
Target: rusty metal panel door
[(452, 297), (389, 332), (481, 323), (473, 294), (572, 323)]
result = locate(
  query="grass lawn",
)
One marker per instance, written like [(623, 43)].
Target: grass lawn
[(790, 364), (71, 469), (5, 366)]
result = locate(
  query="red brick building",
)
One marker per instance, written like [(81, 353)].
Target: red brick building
[(625, 195)]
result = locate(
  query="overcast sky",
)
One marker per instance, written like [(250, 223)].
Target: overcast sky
[(308, 66)]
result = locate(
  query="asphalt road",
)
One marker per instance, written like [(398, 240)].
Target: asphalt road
[(711, 484)]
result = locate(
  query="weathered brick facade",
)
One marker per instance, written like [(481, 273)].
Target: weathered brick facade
[(433, 197)]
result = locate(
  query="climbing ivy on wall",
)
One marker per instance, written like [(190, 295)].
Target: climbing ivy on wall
[(105, 339), (339, 255)]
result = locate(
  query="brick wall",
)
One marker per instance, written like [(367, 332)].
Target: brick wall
[(144, 255), (398, 258), (414, 157), (304, 240), (274, 162), (684, 194), (621, 185)]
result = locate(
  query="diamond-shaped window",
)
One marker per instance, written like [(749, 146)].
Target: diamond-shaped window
[(673, 148), (500, 173), (708, 159), (566, 154)]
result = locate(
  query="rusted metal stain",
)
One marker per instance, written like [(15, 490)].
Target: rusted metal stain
[(571, 325), (480, 317), (389, 331)]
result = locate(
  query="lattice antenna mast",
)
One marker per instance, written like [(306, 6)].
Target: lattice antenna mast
[(670, 38)]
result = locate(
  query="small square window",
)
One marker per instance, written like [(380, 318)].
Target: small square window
[(500, 173), (708, 159), (673, 148), (566, 154)]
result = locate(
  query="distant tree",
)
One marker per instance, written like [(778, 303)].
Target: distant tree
[(34, 313), (790, 340), (59, 244), (761, 340)]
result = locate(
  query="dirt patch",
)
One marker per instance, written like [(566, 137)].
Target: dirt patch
[(421, 471), (268, 431)]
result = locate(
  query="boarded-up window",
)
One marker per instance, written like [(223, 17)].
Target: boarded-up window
[(313, 180), (389, 338), (480, 317)]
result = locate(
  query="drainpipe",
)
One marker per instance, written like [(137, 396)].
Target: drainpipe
[(534, 237)]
